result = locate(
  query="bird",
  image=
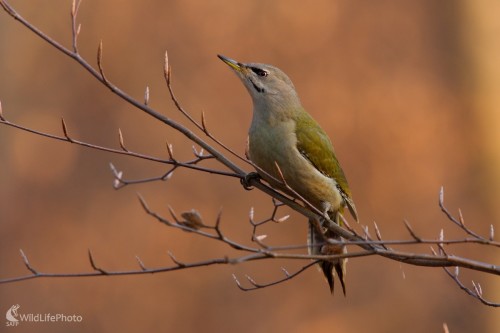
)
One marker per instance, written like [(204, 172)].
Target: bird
[(292, 153)]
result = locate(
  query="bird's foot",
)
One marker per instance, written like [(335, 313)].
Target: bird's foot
[(245, 181)]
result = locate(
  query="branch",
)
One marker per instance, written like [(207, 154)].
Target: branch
[(167, 73), (459, 222), (100, 76), (287, 277), (194, 224), (192, 164), (476, 293)]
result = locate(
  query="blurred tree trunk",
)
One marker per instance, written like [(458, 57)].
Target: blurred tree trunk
[(483, 42)]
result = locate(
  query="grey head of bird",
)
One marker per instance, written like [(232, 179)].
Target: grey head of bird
[(270, 88)]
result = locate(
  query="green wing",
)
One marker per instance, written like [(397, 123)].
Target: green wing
[(315, 145)]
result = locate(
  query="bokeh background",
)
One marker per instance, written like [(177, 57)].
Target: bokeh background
[(408, 90)]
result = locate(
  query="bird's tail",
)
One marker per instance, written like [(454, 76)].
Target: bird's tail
[(317, 235)]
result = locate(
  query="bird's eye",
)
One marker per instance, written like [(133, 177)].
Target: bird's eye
[(259, 72)]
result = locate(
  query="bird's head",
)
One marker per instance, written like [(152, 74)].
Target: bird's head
[(269, 87)]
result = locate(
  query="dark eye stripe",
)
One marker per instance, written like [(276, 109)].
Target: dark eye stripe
[(259, 72)]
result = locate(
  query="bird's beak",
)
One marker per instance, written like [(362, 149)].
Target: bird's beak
[(232, 63)]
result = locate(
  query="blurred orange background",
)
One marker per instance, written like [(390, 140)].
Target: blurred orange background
[(407, 90)]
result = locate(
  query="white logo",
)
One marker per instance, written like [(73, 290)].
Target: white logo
[(12, 315), (14, 318)]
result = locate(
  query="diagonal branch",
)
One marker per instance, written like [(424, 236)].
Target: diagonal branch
[(287, 277), (476, 293), (99, 75)]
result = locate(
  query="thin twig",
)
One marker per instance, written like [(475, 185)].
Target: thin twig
[(189, 164), (460, 221), (75, 30), (27, 263), (474, 293), (256, 285)]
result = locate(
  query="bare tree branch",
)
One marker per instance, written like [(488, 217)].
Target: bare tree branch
[(287, 277), (476, 293)]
